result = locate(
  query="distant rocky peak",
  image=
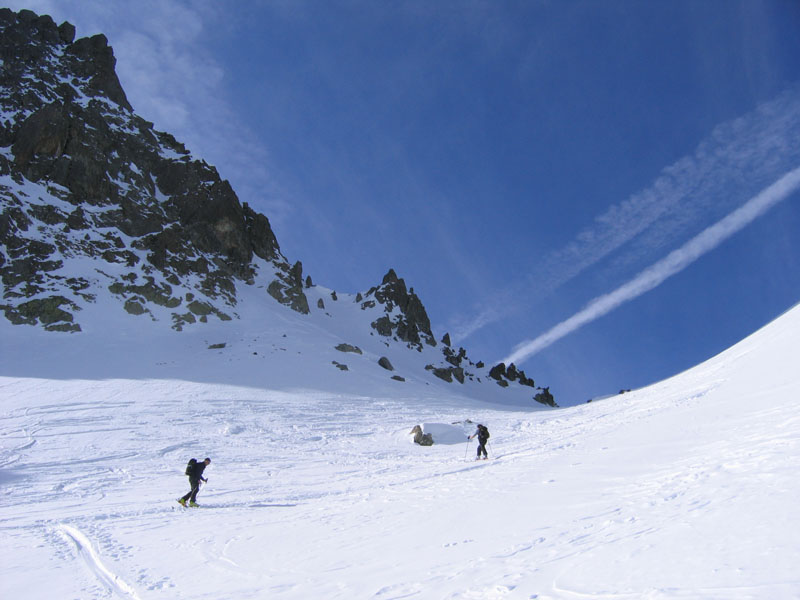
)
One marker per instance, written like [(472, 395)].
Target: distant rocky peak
[(94, 60), (390, 277), (28, 39), (405, 316)]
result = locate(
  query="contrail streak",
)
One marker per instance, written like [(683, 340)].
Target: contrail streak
[(673, 263), (730, 165)]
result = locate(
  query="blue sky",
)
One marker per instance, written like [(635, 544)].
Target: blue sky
[(513, 161)]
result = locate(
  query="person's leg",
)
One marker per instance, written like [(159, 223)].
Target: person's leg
[(186, 497), (192, 495)]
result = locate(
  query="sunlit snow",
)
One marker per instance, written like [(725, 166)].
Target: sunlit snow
[(685, 489)]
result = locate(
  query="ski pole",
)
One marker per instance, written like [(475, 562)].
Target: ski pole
[(467, 448)]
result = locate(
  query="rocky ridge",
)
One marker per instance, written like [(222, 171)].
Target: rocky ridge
[(108, 186), (94, 202)]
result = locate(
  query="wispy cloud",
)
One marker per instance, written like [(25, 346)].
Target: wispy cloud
[(173, 79), (673, 263), (736, 160)]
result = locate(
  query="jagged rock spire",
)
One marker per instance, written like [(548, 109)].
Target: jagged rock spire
[(410, 322)]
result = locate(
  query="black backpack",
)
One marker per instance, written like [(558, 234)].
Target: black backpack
[(484, 433), (190, 467)]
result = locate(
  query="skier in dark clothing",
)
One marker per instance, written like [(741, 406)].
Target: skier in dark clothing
[(483, 436), (195, 473)]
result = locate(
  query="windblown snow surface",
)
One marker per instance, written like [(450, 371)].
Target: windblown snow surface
[(688, 488)]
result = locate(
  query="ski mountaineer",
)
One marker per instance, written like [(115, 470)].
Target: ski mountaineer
[(195, 473), (483, 436)]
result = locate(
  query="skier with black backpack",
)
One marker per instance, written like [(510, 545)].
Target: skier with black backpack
[(195, 472), (483, 436)]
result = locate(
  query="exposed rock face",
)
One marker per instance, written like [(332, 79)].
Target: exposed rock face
[(349, 348), (287, 288), (546, 398), (458, 367), (452, 358), (101, 169), (94, 60), (405, 318), (47, 311), (448, 373), (503, 375), (498, 371)]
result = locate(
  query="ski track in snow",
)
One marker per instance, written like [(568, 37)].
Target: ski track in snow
[(96, 566), (685, 489)]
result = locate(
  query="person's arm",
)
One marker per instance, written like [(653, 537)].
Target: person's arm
[(198, 472)]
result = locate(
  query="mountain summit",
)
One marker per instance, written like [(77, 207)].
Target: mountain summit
[(101, 214), (88, 181)]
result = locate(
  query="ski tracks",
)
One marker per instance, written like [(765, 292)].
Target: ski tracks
[(90, 556)]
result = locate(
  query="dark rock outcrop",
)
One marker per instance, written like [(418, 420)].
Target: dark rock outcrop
[(423, 439), (349, 348), (410, 322), (503, 375), (546, 398), (287, 287), (94, 61), (498, 371)]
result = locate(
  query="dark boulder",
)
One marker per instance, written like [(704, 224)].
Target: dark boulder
[(546, 398), (348, 348), (423, 439), (498, 371)]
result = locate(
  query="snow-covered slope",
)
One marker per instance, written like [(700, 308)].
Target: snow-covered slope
[(685, 489), (267, 346)]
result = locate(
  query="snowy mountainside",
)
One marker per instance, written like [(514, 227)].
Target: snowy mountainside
[(109, 227), (684, 489), (268, 346)]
